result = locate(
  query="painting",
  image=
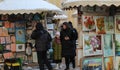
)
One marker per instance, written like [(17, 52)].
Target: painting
[(109, 24), (20, 47), (7, 39), (108, 62), (34, 55), (100, 25), (13, 39), (88, 23), (93, 63), (2, 40), (117, 24), (117, 63), (92, 45), (20, 36), (13, 47), (8, 55), (117, 44), (108, 45)]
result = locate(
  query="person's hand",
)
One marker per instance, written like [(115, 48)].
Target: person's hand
[(33, 49), (67, 38)]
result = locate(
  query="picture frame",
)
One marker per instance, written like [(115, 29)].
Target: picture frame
[(92, 45), (117, 24), (88, 23), (20, 36), (109, 24), (20, 47), (100, 24), (117, 44), (117, 63), (92, 63), (108, 45), (109, 63)]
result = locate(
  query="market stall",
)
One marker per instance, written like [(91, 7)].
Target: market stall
[(98, 24), (17, 20)]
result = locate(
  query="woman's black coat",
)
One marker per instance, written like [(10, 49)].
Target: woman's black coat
[(68, 46)]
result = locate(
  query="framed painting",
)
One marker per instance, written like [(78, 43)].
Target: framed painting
[(20, 47), (8, 40), (108, 63), (92, 45), (108, 45), (109, 24), (117, 63), (117, 24), (2, 40), (20, 36), (13, 39), (13, 47), (93, 63), (88, 23), (117, 44), (100, 24)]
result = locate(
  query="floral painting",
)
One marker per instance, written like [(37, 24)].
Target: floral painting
[(100, 25), (92, 45), (94, 63), (88, 23), (117, 24), (108, 45), (117, 44), (109, 24), (108, 62)]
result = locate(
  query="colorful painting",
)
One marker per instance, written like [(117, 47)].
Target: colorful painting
[(13, 39), (117, 44), (20, 35), (8, 40), (88, 23), (117, 24), (2, 40), (13, 47), (92, 45), (94, 63), (117, 63), (109, 24), (100, 25), (108, 62), (108, 45)]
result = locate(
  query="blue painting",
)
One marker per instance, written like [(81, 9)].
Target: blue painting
[(108, 45), (20, 35)]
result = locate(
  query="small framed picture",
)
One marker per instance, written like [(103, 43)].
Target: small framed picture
[(20, 47), (92, 63), (108, 63)]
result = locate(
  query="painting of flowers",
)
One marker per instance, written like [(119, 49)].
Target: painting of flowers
[(117, 44), (108, 45), (108, 62), (93, 63), (88, 23), (100, 26), (117, 24), (92, 45), (109, 24)]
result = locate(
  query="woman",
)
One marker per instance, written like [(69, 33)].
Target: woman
[(57, 50), (67, 42)]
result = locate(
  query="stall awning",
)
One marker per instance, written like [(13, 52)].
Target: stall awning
[(76, 3), (26, 6)]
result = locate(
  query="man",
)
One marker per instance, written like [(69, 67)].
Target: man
[(42, 42)]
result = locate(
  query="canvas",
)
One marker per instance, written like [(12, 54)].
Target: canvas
[(20, 36), (13, 39), (100, 24), (109, 24), (20, 47), (8, 40), (117, 24), (117, 63), (117, 44), (13, 47), (108, 45), (88, 23), (108, 62), (2, 40), (92, 45), (6, 24), (93, 63), (8, 55)]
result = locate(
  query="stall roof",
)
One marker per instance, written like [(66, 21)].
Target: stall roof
[(26, 6), (76, 3)]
